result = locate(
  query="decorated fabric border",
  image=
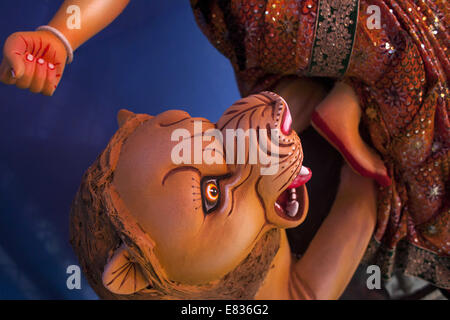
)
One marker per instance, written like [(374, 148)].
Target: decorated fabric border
[(410, 260), (334, 37)]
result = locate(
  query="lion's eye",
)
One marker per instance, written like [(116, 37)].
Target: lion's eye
[(210, 194)]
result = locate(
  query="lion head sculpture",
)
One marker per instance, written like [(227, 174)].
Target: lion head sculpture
[(170, 211)]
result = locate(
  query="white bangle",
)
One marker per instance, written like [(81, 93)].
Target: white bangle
[(61, 37)]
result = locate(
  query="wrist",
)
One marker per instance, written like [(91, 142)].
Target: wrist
[(60, 38)]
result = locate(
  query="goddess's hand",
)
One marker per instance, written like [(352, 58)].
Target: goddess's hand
[(34, 61)]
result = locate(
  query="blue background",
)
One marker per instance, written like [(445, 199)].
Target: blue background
[(152, 58)]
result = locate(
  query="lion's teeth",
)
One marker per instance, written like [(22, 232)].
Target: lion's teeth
[(292, 194), (292, 208), (304, 171)]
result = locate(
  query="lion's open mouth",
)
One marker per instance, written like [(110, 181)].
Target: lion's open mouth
[(291, 202)]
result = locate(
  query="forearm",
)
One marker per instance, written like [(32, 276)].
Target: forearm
[(95, 15), (338, 247)]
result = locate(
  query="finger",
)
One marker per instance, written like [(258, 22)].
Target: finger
[(39, 77), (30, 64), (7, 75), (52, 80), (13, 52)]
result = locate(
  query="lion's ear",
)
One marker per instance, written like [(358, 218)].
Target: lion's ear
[(122, 275), (123, 115)]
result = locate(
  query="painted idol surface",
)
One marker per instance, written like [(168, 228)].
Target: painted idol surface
[(144, 227), (263, 149)]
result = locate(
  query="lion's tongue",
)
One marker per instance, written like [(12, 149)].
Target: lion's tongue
[(303, 177)]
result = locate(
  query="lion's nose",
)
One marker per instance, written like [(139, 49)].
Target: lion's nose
[(286, 123)]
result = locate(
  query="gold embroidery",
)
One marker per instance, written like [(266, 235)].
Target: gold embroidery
[(335, 32)]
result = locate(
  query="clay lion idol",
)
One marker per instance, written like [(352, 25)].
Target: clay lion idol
[(144, 227), (369, 76)]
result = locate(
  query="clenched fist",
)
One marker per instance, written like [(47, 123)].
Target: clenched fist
[(34, 61)]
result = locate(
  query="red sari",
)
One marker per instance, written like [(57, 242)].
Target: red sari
[(400, 73)]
